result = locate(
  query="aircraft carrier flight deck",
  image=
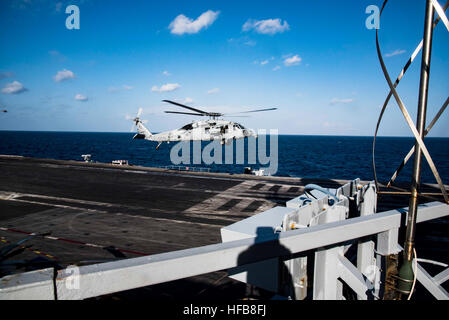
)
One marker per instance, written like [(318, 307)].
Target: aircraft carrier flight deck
[(94, 212)]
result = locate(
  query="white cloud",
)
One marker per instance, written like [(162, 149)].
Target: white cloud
[(54, 53), (276, 68), (57, 55), (338, 100), (22, 4), (243, 41), (213, 91), (14, 87), (262, 63), (268, 26), (183, 24), (188, 100), (64, 75), (6, 74), (58, 6), (166, 73), (80, 97), (394, 53), (292, 61), (166, 87), (124, 87)]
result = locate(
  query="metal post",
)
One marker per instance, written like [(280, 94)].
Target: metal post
[(406, 272), (326, 282)]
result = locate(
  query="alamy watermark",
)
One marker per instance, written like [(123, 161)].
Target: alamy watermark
[(72, 282), (73, 20), (212, 153), (373, 20)]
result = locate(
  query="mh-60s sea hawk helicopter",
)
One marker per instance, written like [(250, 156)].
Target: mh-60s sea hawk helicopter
[(202, 130)]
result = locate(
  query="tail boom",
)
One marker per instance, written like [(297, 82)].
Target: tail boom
[(142, 131)]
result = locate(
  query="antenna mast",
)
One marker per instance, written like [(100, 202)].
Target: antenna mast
[(406, 271)]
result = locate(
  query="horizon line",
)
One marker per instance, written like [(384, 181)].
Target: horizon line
[(284, 134)]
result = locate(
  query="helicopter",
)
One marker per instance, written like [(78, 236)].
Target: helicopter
[(200, 130)]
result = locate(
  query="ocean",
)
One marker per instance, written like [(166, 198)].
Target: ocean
[(325, 157)]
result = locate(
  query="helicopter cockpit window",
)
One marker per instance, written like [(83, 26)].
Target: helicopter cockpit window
[(239, 126), (187, 127)]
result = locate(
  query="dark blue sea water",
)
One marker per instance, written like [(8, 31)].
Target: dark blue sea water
[(329, 157)]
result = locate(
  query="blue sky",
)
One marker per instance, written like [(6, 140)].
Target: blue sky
[(314, 60)]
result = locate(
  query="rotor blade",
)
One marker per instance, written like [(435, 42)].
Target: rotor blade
[(139, 113), (132, 119), (194, 114), (259, 110), (184, 106), (237, 116)]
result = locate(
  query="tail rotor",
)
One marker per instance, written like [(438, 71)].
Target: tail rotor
[(138, 125), (135, 119)]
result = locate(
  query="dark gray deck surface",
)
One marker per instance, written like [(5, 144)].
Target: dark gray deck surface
[(136, 210)]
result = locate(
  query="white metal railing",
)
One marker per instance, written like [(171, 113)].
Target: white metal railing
[(329, 240)]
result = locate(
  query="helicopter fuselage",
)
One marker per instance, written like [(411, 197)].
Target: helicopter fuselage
[(202, 130)]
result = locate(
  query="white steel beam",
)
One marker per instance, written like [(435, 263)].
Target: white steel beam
[(354, 278), (100, 279), (387, 242), (431, 210), (33, 285), (430, 284), (365, 250), (442, 277), (326, 285)]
